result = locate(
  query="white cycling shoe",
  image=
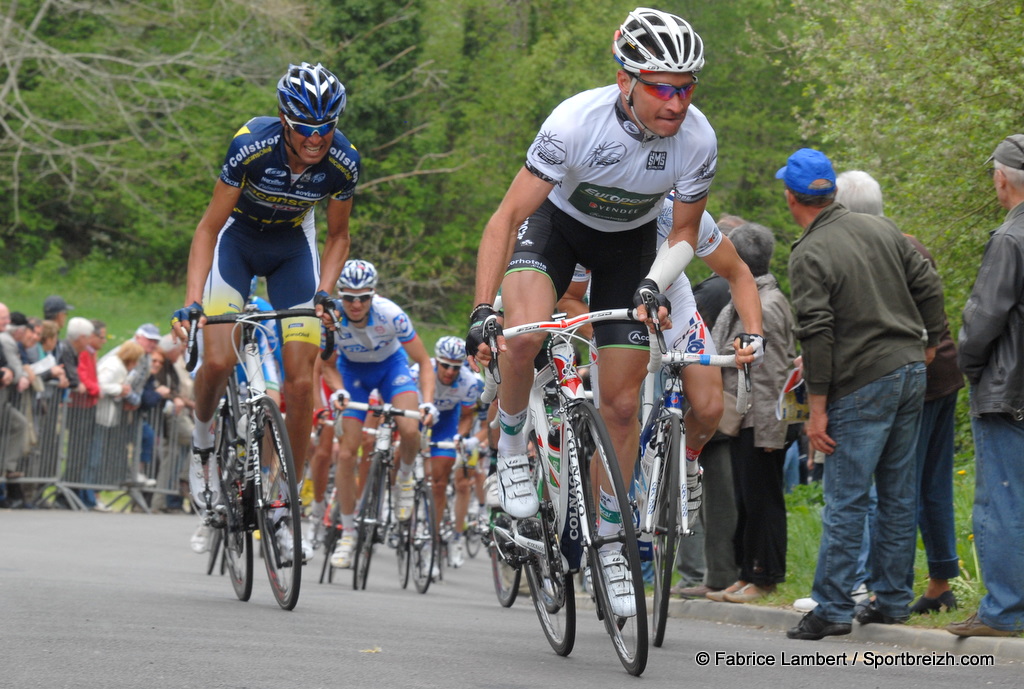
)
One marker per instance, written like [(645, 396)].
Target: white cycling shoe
[(516, 492), (342, 556), (198, 475), (619, 584)]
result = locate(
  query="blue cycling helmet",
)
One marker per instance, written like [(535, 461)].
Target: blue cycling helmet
[(450, 348), (357, 274), (310, 94)]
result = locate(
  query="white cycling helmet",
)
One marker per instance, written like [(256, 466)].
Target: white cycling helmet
[(655, 41), (357, 274), (450, 348)]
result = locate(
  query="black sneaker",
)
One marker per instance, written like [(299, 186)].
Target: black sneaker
[(872, 615), (812, 628), (924, 605)]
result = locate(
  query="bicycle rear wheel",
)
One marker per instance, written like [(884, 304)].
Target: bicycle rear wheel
[(236, 533), (550, 587), (402, 552), (666, 535), (423, 540), (368, 521), (216, 546), (473, 539), (592, 445), (279, 510), (506, 577)]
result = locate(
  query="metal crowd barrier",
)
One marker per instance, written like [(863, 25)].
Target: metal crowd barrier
[(52, 447)]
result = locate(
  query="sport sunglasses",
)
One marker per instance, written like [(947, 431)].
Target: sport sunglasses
[(667, 91), (307, 130), (348, 296)]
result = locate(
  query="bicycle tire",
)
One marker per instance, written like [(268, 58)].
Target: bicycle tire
[(367, 522), (666, 535), (628, 634), (551, 589), (472, 539), (423, 540), (279, 511), (402, 554), (506, 577), (216, 546), (237, 534), (331, 539)]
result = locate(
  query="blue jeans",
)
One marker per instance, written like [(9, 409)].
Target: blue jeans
[(875, 430), (999, 518), (935, 488)]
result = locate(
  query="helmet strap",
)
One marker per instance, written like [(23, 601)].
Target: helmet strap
[(647, 133)]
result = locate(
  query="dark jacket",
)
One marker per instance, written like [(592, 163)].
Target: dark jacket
[(865, 300), (992, 335)]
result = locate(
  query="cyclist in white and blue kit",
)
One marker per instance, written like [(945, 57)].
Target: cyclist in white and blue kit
[(455, 395), (374, 337)]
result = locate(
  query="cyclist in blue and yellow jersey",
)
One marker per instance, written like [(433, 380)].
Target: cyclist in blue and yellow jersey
[(375, 341), (590, 192), (456, 393), (260, 222)]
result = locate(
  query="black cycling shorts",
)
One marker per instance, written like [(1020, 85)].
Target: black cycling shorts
[(552, 242)]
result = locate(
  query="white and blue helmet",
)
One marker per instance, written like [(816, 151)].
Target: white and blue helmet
[(450, 348), (357, 274), (310, 93)]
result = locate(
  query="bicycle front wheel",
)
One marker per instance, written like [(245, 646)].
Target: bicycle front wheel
[(665, 536), (618, 583), (368, 521), (236, 532), (278, 504), (423, 540)]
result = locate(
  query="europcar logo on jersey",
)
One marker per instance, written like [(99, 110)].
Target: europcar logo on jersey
[(611, 203), (656, 160)]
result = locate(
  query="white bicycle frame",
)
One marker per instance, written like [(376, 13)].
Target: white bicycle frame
[(674, 406), (564, 486)]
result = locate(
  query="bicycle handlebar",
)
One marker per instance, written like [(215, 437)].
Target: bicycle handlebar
[(192, 353), (556, 325), (383, 410)]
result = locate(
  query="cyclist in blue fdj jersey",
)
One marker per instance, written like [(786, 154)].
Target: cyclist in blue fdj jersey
[(590, 193), (373, 339), (260, 222), (455, 395)]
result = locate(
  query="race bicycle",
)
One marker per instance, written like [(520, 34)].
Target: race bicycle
[(256, 468), (661, 500), (575, 454)]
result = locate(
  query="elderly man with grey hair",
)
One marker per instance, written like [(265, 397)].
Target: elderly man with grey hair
[(992, 358)]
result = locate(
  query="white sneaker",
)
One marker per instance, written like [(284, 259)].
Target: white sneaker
[(457, 555), (805, 604), (197, 479), (404, 491), (491, 499), (518, 496), (200, 540), (619, 583), (342, 556)]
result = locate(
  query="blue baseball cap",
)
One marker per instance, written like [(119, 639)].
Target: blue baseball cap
[(808, 172)]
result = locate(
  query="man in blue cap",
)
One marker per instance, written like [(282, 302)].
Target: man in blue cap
[(869, 313)]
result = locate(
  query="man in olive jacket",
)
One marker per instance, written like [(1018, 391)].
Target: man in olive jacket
[(992, 358), (868, 306)]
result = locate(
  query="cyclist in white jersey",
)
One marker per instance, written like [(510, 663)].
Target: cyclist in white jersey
[(374, 336), (455, 395), (590, 193)]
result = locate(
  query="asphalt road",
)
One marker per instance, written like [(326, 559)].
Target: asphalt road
[(119, 600)]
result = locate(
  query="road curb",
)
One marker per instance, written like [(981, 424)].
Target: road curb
[(937, 640)]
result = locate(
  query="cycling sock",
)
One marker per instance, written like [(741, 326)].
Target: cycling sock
[(511, 424), (348, 522), (202, 434), (405, 470), (611, 520), (692, 465), (512, 440)]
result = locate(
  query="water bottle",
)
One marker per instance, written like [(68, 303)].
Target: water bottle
[(555, 460), (641, 482)]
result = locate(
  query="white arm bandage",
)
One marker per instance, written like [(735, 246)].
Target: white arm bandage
[(670, 262)]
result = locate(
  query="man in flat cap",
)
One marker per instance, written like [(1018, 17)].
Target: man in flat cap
[(992, 358), (56, 309)]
